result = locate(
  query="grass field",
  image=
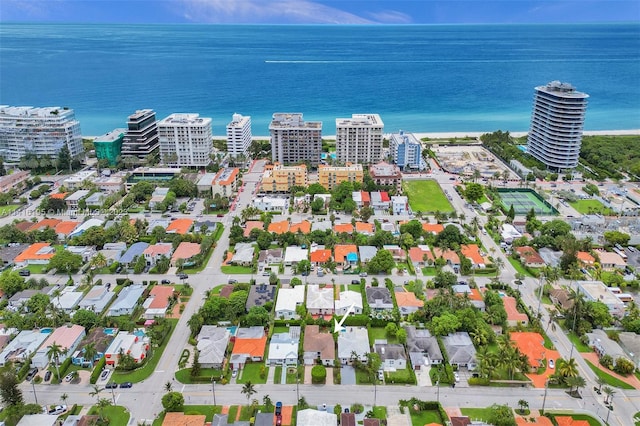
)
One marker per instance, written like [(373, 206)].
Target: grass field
[(5, 210), (608, 378), (117, 415), (251, 373), (426, 196), (590, 207), (231, 269)]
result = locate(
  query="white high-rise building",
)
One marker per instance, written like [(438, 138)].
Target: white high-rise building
[(557, 120), (295, 141), (185, 140), (239, 135), (41, 131), (359, 138)]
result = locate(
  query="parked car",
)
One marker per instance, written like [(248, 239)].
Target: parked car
[(31, 374), (57, 410), (552, 364), (234, 373), (380, 375), (165, 282), (69, 377), (183, 276), (126, 385), (118, 269), (104, 374), (232, 281), (47, 376), (355, 281), (111, 385), (278, 408), (363, 274), (24, 272)]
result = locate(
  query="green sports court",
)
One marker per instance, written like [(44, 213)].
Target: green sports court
[(523, 200)]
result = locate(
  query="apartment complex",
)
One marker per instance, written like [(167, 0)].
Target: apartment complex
[(41, 131), (406, 150), (109, 146), (557, 121), (279, 178), (239, 135), (141, 138), (332, 176), (295, 141), (225, 182), (387, 175), (359, 138), (185, 140)]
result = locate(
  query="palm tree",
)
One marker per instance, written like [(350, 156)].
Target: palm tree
[(96, 392), (609, 392), (90, 353), (168, 387), (523, 405), (53, 353), (600, 382), (102, 404), (499, 264), (248, 390), (576, 382), (64, 397), (98, 261), (568, 368)]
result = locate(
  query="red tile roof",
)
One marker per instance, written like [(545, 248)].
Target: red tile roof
[(434, 228), (384, 196), (366, 198), (161, 295), (570, 421), (59, 195), (252, 347), (407, 298), (180, 226), (585, 258), (65, 228), (529, 255), (416, 254), (279, 227), (320, 256), (304, 227), (31, 253), (44, 223), (342, 250), (252, 224), (511, 306), (185, 251), (343, 227), (364, 227), (472, 251)]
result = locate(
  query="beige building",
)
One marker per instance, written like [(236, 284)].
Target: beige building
[(11, 181), (279, 178), (386, 174), (331, 176), (295, 141), (225, 182), (359, 138)]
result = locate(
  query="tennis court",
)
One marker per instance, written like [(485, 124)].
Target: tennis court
[(523, 200)]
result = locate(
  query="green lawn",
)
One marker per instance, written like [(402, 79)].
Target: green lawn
[(380, 413), (184, 375), (231, 269), (429, 272), (379, 334), (117, 415), (609, 379), (298, 373), (426, 196), (353, 287), (150, 365), (519, 267), (421, 418), (591, 420), (590, 207), (5, 210), (203, 265), (251, 373), (580, 347), (477, 413), (403, 376), (36, 269)]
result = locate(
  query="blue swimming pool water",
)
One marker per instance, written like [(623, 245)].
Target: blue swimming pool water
[(139, 332), (110, 331), (46, 330), (232, 330)]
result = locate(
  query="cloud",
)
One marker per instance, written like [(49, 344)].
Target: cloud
[(390, 17), (260, 11)]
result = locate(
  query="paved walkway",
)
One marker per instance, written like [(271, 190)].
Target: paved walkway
[(593, 358), (270, 375)]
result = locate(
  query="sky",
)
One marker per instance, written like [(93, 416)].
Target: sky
[(320, 11)]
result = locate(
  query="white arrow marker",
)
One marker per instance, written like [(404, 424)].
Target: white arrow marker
[(338, 325)]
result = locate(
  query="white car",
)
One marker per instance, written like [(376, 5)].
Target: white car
[(234, 373), (552, 364), (69, 377), (456, 377), (57, 410)]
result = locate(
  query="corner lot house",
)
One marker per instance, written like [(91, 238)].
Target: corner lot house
[(185, 252), (243, 254), (600, 342), (318, 346), (460, 349), (379, 298), (283, 349), (423, 348), (288, 300), (127, 300), (22, 346), (212, 345), (319, 300), (530, 257), (249, 345), (392, 355), (595, 291), (135, 344), (347, 299), (68, 337), (158, 302), (353, 340)]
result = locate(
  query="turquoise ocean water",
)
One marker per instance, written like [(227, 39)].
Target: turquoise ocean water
[(418, 78)]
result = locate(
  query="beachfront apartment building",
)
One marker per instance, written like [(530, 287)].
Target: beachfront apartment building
[(39, 131), (406, 150), (332, 176), (280, 178), (239, 135), (141, 138), (109, 146), (185, 140), (294, 140), (359, 138), (557, 121)]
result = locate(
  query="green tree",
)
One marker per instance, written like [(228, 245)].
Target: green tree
[(195, 366), (473, 192), (11, 282), (90, 352), (501, 415), (382, 261), (66, 262), (64, 158), (86, 318), (140, 264), (10, 393), (616, 237), (53, 353), (103, 403), (318, 374), (173, 402), (401, 335), (445, 279), (304, 266), (523, 404), (248, 390), (365, 213), (444, 324), (391, 329), (450, 237)]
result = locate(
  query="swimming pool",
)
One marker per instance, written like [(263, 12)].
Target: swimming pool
[(139, 332), (46, 330), (111, 331)]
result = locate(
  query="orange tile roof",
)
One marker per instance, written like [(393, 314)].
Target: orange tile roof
[(366, 198), (570, 421), (511, 306), (434, 228), (181, 419), (416, 254), (340, 251), (472, 251), (320, 256), (230, 179), (343, 227), (304, 227), (161, 295), (407, 298), (475, 295), (51, 223), (31, 253), (585, 258), (59, 195), (252, 347), (180, 226), (186, 251), (252, 224), (279, 227), (65, 228), (449, 255), (158, 249), (529, 255), (538, 421), (364, 227), (532, 345)]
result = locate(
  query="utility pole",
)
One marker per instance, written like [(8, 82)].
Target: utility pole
[(544, 400), (297, 390), (540, 294), (35, 396), (213, 388)]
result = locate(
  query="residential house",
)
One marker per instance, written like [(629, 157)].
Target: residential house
[(530, 257), (86, 252), (249, 345), (223, 420), (320, 256), (399, 255), (400, 205), (597, 291), (212, 346), (371, 422), (68, 300), (38, 420), (514, 317), (73, 199), (65, 228), (361, 198), (21, 297), (271, 204), (269, 257), (348, 419), (252, 224), (186, 252), (113, 252), (260, 294), (408, 302), (131, 255), (100, 338), (345, 254), (179, 226), (135, 344), (323, 225), (316, 418), (433, 228), (343, 227), (353, 340), (423, 348), (35, 254), (379, 298), (283, 348), (561, 298), (95, 200), (392, 355), (603, 345), (68, 337), (472, 252), (303, 227), (243, 254), (460, 349), (319, 300), (509, 233), (23, 346), (279, 227), (451, 257), (349, 301), (366, 254), (294, 255), (421, 256), (127, 300), (365, 228), (97, 299), (288, 301), (156, 251), (88, 224), (158, 301), (10, 252), (159, 223), (41, 225), (610, 261), (585, 259), (630, 342), (158, 196), (182, 419), (380, 201), (318, 346)]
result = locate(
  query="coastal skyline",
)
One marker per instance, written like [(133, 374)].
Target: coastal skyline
[(351, 12)]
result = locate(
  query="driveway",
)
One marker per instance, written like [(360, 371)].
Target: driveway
[(347, 375)]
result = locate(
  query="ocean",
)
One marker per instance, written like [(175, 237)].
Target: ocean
[(419, 78)]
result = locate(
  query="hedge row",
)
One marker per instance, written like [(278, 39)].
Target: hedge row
[(95, 374)]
